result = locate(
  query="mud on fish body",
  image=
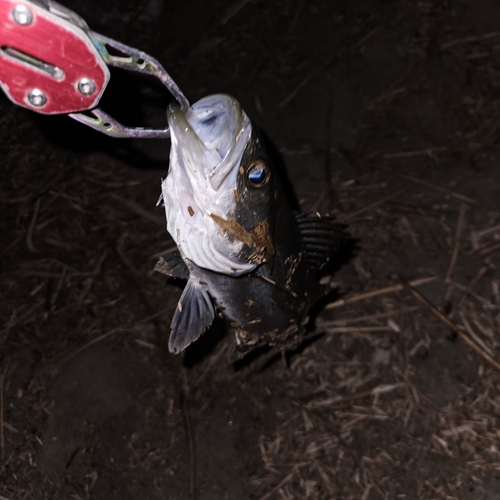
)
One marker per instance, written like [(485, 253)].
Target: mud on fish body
[(241, 247)]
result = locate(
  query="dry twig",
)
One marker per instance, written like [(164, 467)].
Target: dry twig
[(486, 231), (371, 206), (380, 389), (449, 192), (469, 39), (284, 481), (456, 328), (294, 92), (90, 281), (409, 154), (233, 10), (369, 317), (487, 249), (380, 291), (473, 334), (31, 228), (456, 248), (354, 329)]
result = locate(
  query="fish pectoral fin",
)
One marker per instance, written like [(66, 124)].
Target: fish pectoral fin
[(321, 239), (172, 265), (193, 315)]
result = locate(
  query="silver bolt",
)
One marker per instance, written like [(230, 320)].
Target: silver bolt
[(37, 98), (86, 86), (22, 15)]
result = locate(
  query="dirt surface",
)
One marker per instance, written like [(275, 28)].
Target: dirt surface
[(386, 114)]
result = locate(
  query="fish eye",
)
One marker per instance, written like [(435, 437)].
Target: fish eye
[(258, 174)]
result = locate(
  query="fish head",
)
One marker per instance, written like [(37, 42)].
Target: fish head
[(220, 189), (208, 140)]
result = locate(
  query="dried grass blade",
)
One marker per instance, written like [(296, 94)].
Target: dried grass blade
[(473, 334), (380, 291), (285, 480), (456, 328), (354, 329), (442, 190), (31, 228), (371, 206), (485, 250), (456, 248)]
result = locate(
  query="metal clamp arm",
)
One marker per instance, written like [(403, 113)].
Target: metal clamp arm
[(132, 60), (51, 63)]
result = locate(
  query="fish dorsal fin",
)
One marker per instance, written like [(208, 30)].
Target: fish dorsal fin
[(173, 265), (193, 315), (321, 237)]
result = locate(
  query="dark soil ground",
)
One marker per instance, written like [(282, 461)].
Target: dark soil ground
[(386, 115)]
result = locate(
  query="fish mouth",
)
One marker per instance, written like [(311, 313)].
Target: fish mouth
[(206, 140), (181, 130)]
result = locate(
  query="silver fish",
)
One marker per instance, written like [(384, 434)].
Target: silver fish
[(241, 247)]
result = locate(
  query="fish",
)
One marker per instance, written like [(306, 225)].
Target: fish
[(243, 251)]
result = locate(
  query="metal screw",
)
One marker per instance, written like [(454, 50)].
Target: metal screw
[(86, 86), (22, 15), (37, 98)]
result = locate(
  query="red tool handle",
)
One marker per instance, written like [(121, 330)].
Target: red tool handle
[(47, 63)]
